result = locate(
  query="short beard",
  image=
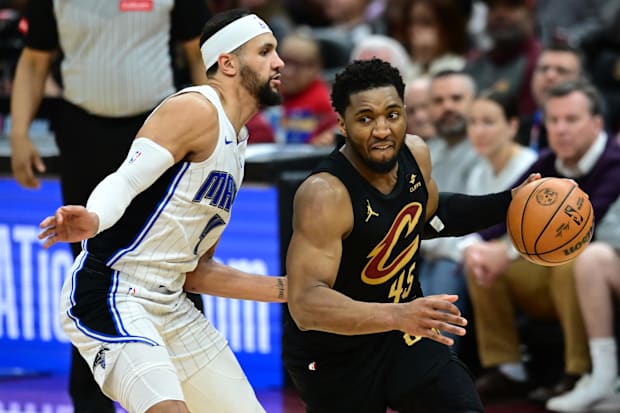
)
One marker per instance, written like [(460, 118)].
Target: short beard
[(375, 166), (508, 38), (456, 130), (262, 92)]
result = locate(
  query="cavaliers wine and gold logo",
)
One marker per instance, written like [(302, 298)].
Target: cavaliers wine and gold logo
[(380, 266)]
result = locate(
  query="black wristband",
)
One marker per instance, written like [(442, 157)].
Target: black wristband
[(459, 214)]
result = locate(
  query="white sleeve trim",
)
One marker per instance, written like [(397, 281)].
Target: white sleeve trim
[(147, 161)]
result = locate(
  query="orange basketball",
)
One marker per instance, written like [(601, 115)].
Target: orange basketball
[(550, 221)]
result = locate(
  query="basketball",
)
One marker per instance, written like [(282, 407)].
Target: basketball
[(550, 221)]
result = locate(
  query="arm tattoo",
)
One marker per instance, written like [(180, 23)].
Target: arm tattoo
[(280, 288)]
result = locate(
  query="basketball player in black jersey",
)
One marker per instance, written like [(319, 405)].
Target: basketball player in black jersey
[(361, 337)]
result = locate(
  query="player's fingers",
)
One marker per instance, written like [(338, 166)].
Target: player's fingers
[(451, 328), (445, 307), (46, 232), (533, 177), (47, 222), (435, 334), (443, 340), (49, 241), (453, 319), (448, 297), (60, 216)]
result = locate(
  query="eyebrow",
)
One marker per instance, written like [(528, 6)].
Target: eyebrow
[(392, 106)]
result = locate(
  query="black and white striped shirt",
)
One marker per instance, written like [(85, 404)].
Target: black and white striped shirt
[(116, 53)]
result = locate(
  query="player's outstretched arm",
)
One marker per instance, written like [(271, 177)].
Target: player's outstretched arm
[(214, 278), (184, 124), (460, 214)]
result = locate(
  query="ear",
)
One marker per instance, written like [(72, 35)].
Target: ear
[(513, 124), (599, 123), (228, 64), (342, 126)]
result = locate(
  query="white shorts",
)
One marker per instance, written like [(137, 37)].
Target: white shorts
[(143, 376), (143, 352)]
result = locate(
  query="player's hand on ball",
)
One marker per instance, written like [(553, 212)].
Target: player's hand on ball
[(531, 178), (550, 221), (70, 223), (431, 315)]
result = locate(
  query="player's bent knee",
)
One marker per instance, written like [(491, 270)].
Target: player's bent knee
[(221, 386), (169, 406), (143, 379)]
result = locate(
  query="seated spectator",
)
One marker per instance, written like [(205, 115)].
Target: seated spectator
[(501, 283), (452, 156), (385, 48), (417, 105), (556, 63), (491, 127), (452, 159), (509, 64), (306, 114), (435, 34), (597, 278)]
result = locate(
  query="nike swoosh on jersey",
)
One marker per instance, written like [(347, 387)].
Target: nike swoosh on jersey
[(226, 141)]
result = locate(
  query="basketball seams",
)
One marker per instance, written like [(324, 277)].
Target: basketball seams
[(543, 224), (523, 212), (550, 220), (588, 228)]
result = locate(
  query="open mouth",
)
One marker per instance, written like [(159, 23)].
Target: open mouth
[(382, 146)]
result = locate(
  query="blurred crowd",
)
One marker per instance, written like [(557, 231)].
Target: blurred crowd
[(496, 42), (497, 88)]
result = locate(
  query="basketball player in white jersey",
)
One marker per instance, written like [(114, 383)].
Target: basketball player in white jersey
[(158, 217)]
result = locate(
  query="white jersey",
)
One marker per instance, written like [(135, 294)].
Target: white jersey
[(169, 226)]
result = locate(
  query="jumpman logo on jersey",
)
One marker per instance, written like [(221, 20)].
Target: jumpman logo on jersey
[(369, 212), (414, 185)]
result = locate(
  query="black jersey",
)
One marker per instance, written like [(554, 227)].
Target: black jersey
[(379, 256)]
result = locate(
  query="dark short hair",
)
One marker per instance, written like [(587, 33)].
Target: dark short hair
[(528, 4), (451, 72), (562, 46), (506, 101), (362, 75), (216, 23), (596, 103)]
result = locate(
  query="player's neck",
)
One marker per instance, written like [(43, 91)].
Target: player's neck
[(238, 104)]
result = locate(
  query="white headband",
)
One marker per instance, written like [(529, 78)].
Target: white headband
[(230, 37)]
